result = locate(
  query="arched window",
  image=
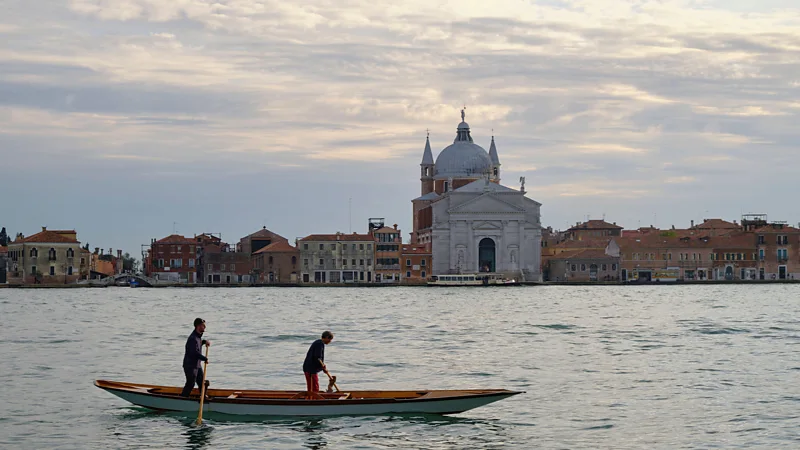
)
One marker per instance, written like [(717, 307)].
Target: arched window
[(51, 255), (34, 253), (70, 253), (495, 171), (270, 260), (294, 260)]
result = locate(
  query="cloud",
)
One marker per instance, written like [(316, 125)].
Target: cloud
[(591, 100)]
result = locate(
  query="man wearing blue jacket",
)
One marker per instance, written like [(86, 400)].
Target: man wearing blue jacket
[(193, 357), (314, 363)]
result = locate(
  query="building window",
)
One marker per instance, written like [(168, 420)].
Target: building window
[(305, 246), (613, 267), (583, 267), (305, 262), (353, 262), (321, 262), (604, 267), (52, 270), (294, 260), (761, 254), (422, 274), (361, 246), (33, 270), (191, 262), (51, 255), (333, 246), (233, 266), (369, 246), (34, 253), (408, 262), (322, 246), (269, 260), (573, 268), (408, 274), (360, 262), (69, 270), (179, 248), (172, 249), (222, 267), (210, 267), (354, 246), (70, 253), (422, 262)]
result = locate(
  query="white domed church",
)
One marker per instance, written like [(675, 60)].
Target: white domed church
[(473, 223)]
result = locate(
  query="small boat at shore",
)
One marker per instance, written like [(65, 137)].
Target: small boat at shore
[(292, 403)]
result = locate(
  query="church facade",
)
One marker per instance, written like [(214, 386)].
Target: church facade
[(471, 221)]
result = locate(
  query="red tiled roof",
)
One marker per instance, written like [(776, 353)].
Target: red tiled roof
[(48, 237), (582, 254), (387, 230), (716, 223), (583, 243), (278, 247), (595, 224), (64, 231), (338, 237), (416, 250), (776, 229), (264, 232), (175, 239)]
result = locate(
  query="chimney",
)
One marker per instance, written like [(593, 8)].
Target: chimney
[(119, 253), (97, 250), (44, 228), (395, 226), (692, 223)]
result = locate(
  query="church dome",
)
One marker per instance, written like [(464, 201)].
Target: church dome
[(462, 159)]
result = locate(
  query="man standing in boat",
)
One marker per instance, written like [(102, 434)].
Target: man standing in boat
[(193, 357), (315, 362)]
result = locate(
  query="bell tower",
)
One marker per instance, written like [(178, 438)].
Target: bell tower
[(426, 168)]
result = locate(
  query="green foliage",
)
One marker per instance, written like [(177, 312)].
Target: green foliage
[(3, 237), (668, 233)]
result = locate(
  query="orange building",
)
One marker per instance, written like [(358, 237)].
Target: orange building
[(416, 263)]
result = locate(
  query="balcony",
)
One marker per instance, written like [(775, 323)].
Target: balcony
[(387, 267)]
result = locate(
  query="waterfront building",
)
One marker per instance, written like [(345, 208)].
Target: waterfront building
[(172, 259), (258, 240), (337, 258), (221, 265), (278, 262), (593, 229), (416, 263), (472, 221), (388, 250), (3, 263), (47, 257)]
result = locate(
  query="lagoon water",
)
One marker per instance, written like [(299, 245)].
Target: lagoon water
[(655, 367)]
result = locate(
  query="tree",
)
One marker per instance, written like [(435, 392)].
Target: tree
[(129, 263), (3, 237)]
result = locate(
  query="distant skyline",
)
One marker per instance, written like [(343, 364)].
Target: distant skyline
[(120, 117)]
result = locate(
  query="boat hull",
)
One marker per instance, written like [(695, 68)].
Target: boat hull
[(356, 403)]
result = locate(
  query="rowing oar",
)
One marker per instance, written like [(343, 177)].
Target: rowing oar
[(331, 379), (202, 390)]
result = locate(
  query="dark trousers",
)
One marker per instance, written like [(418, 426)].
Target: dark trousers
[(193, 375)]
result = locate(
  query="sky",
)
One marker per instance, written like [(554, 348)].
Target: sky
[(129, 120)]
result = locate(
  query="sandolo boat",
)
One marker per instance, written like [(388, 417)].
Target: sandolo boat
[(293, 403)]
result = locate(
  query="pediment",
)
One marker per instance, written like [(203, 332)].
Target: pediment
[(486, 226), (486, 203)]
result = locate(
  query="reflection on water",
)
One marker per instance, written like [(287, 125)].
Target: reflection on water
[(612, 367), (197, 436)]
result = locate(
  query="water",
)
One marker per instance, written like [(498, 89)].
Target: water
[(603, 367)]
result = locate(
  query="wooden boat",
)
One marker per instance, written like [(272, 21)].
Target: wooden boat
[(291, 403)]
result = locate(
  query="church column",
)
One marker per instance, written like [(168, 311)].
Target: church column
[(452, 245), (504, 248), (472, 256), (521, 243)]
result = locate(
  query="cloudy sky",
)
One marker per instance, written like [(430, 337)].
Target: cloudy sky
[(128, 119)]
